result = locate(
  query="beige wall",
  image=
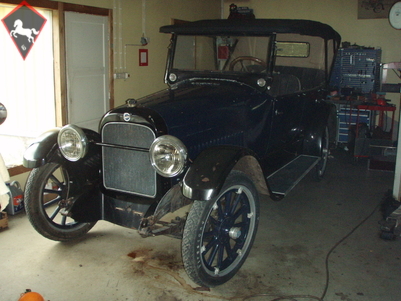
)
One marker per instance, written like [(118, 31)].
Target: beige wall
[(145, 80)]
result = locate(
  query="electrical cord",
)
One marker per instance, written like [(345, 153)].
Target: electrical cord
[(337, 244), (296, 297)]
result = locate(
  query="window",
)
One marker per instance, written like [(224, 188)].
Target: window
[(292, 49), (27, 90)]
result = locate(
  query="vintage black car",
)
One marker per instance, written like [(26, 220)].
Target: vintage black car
[(245, 113)]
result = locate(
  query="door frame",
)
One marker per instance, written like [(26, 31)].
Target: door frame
[(87, 81), (60, 64)]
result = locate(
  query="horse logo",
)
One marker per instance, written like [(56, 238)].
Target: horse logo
[(24, 20), (23, 31)]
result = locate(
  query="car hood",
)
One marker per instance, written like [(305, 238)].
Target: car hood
[(200, 114)]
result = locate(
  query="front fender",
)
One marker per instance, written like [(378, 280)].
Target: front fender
[(207, 174), (45, 148), (39, 152)]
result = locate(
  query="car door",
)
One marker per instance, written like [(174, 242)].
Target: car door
[(288, 112)]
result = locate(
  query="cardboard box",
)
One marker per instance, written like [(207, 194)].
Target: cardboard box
[(3, 220)]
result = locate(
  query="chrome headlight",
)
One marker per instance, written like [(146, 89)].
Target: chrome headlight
[(72, 142), (168, 156)]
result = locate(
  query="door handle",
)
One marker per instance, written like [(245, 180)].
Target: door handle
[(277, 112)]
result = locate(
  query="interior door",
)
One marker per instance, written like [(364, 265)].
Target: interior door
[(87, 68)]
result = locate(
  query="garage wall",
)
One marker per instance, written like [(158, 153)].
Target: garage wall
[(342, 15), (148, 79), (145, 80)]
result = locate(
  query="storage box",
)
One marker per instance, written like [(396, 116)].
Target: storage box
[(382, 157), (3, 220), (381, 163)]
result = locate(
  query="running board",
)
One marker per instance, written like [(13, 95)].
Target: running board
[(284, 180)]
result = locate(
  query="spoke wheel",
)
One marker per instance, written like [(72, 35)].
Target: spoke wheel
[(219, 233), (46, 199), (324, 155)]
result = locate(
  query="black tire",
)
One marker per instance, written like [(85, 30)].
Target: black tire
[(320, 168), (46, 192), (219, 233)]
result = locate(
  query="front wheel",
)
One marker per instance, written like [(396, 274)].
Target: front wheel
[(46, 198), (219, 233)]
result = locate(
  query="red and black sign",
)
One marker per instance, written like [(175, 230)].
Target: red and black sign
[(24, 24)]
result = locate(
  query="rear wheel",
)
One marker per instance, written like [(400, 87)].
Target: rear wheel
[(219, 233), (46, 200), (324, 155)]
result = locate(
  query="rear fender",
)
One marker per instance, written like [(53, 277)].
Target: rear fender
[(207, 174), (313, 137), (313, 140)]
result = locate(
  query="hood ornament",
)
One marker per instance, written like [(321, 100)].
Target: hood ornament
[(131, 102)]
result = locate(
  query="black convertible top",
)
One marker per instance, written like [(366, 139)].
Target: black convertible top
[(254, 27)]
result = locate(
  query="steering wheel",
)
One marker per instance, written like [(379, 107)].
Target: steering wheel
[(241, 59)]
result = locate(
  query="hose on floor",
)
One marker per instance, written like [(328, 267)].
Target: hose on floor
[(297, 297), (337, 244)]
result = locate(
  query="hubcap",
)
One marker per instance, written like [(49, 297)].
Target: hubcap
[(235, 232)]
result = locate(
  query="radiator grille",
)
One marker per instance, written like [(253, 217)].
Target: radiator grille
[(128, 170)]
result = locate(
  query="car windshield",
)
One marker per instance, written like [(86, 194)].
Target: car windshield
[(247, 54), (298, 63)]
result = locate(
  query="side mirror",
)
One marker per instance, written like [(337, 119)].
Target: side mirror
[(3, 113)]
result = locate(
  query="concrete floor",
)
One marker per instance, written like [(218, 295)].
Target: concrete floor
[(288, 257)]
